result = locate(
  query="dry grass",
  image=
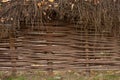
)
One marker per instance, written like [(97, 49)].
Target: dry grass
[(104, 15), (68, 75)]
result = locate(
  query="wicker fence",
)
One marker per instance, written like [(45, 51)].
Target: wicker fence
[(58, 46)]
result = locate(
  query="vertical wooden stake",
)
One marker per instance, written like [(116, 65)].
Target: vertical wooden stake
[(87, 57), (50, 71), (12, 51), (50, 63)]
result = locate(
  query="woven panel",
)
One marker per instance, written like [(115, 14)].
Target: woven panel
[(61, 47)]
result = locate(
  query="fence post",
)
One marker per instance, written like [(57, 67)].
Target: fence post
[(50, 63), (12, 50), (87, 55)]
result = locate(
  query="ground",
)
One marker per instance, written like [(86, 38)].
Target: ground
[(60, 75)]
